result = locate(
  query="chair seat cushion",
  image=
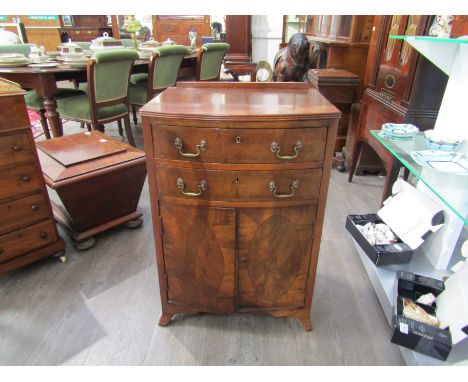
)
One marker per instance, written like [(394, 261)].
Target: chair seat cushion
[(137, 93), (78, 108), (139, 77), (34, 100)]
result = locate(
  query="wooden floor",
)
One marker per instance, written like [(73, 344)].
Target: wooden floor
[(101, 307)]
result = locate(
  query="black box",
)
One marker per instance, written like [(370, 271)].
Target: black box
[(398, 253), (415, 335), (410, 214)]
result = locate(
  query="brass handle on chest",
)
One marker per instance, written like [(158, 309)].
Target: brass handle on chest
[(294, 187), (202, 186), (276, 148), (200, 147)]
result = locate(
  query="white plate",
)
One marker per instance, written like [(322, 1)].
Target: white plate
[(14, 64), (44, 65), (453, 163)]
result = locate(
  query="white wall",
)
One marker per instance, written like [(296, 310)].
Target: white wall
[(266, 37)]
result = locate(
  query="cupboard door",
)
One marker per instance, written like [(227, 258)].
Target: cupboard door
[(199, 253), (274, 254)]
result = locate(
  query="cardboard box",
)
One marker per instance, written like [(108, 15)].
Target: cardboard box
[(411, 215), (450, 308)]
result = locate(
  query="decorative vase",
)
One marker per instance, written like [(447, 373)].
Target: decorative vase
[(441, 26), (193, 37)]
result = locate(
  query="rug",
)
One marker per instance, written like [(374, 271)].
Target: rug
[(36, 126)]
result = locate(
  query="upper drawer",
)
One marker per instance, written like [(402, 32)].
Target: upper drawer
[(22, 212), (239, 145), (15, 148), (19, 180), (216, 185), (28, 239)]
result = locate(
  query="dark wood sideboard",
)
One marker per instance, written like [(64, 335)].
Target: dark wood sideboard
[(27, 227), (238, 189)]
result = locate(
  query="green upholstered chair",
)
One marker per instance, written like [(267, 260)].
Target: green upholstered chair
[(162, 73), (107, 99), (17, 48), (209, 60)]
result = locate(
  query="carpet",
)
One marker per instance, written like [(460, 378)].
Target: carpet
[(36, 126)]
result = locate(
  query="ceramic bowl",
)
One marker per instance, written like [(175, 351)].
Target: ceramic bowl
[(439, 141)]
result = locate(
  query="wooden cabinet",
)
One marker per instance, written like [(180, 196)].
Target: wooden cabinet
[(238, 191), (403, 87), (85, 28), (340, 42), (239, 37), (177, 28), (27, 227)]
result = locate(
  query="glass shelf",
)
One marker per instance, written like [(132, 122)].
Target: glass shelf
[(431, 39), (449, 188)]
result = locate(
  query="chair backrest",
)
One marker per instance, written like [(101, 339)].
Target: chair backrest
[(17, 48), (109, 74), (210, 59), (164, 68), (85, 45)]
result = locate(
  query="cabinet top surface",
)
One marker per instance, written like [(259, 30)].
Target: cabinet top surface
[(249, 101)]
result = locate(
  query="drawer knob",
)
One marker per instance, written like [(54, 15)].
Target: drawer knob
[(202, 186), (34, 207), (294, 187), (200, 147), (25, 178), (16, 148), (276, 148), (43, 235)]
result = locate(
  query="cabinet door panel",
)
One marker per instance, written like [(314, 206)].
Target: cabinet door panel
[(199, 252), (274, 253)]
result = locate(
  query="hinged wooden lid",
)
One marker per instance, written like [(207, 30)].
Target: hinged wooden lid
[(83, 153), (321, 77)]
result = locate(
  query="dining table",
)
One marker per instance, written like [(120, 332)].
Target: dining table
[(44, 81)]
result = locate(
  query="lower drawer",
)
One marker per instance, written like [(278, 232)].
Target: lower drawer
[(25, 240), (238, 185), (19, 180), (22, 212)]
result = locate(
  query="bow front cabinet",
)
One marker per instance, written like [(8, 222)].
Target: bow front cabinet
[(238, 177)]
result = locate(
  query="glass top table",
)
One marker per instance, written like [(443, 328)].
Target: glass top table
[(450, 188)]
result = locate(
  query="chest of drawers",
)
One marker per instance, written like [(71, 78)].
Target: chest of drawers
[(238, 176), (27, 228)]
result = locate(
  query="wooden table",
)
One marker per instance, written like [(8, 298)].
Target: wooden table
[(98, 179), (44, 81), (238, 177)]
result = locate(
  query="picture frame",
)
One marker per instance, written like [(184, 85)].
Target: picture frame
[(67, 20)]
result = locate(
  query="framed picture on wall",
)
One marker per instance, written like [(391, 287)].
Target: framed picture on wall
[(67, 20)]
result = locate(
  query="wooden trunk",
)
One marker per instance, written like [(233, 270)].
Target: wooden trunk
[(27, 228), (237, 228)]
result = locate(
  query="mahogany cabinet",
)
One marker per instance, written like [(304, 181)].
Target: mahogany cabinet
[(27, 227), (177, 28), (239, 37), (238, 176), (85, 28), (403, 87)]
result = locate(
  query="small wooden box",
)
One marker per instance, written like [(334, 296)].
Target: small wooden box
[(98, 179)]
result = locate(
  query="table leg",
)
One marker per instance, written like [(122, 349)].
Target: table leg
[(53, 118)]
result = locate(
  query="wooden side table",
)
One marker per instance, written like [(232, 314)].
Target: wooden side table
[(99, 181), (339, 87)]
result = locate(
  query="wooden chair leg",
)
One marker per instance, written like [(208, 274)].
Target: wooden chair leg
[(135, 120), (82, 125), (44, 124), (101, 128), (128, 130), (119, 124), (357, 152), (392, 169), (88, 126)]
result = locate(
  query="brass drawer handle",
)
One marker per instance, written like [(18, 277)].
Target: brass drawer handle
[(34, 207), (202, 186), (200, 147), (294, 187), (16, 148), (275, 148), (25, 178)]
